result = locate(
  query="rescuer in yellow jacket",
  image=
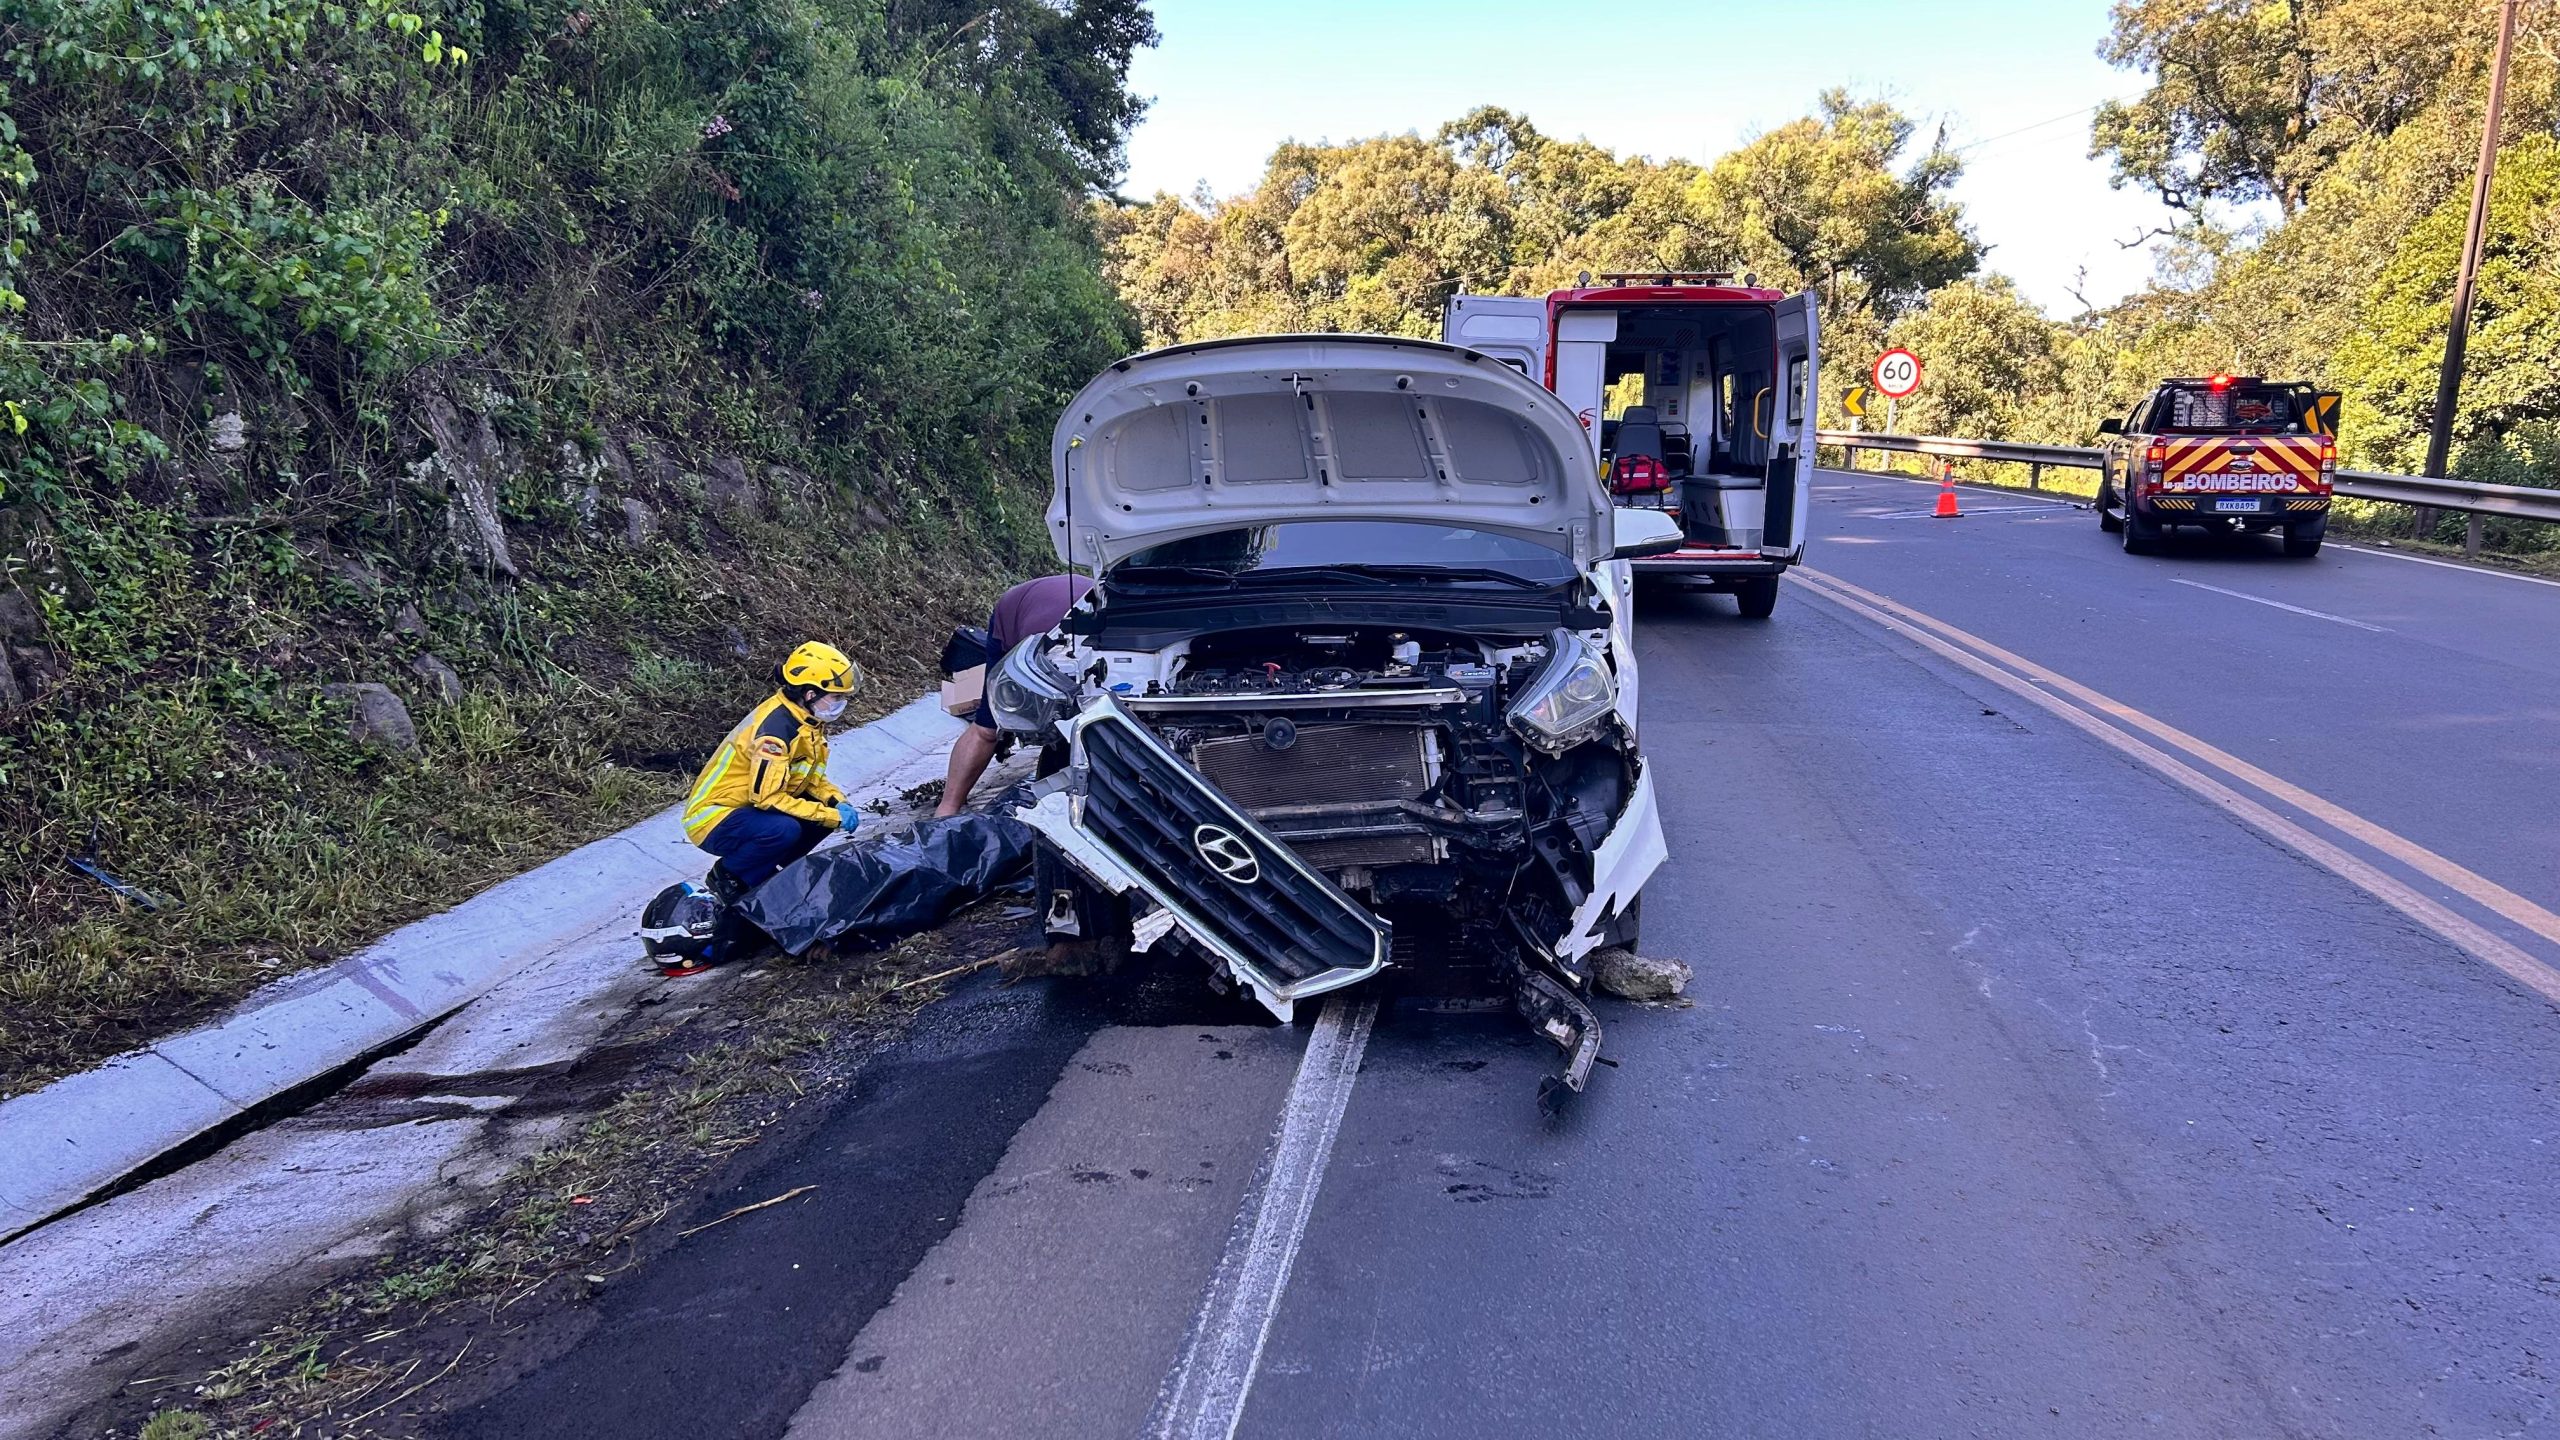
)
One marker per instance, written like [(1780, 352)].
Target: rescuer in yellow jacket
[(765, 800)]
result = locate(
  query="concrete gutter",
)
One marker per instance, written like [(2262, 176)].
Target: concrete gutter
[(80, 1136)]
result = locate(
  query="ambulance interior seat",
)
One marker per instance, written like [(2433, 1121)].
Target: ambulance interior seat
[(1640, 433), (1676, 451)]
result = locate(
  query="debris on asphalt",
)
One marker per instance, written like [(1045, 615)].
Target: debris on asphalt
[(1630, 976), (450, 1366), (956, 970), (792, 1194)]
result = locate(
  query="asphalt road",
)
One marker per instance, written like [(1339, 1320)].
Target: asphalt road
[(2038, 1083)]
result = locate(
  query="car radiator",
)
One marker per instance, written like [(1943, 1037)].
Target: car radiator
[(1331, 765)]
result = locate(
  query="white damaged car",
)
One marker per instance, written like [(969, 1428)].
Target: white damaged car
[(1357, 686)]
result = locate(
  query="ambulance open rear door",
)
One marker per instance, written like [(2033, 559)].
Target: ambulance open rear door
[(1791, 456), (1510, 328)]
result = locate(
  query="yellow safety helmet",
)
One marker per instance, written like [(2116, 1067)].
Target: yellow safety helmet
[(823, 667)]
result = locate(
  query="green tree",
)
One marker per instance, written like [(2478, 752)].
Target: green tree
[(2390, 362), (1819, 204), (1991, 357), (2368, 156), (1376, 234), (2252, 99)]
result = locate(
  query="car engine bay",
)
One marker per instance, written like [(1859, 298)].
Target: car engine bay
[(1411, 772)]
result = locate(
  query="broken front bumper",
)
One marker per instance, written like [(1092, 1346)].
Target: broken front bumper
[(1132, 815)]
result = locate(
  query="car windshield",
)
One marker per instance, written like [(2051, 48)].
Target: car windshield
[(1348, 551)]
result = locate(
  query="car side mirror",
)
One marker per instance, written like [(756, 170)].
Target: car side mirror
[(1646, 532), (2111, 426)]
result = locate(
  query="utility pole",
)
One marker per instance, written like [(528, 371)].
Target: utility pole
[(2457, 336)]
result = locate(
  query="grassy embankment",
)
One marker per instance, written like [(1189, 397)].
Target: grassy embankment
[(554, 365)]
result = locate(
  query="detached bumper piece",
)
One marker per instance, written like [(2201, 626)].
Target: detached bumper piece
[(1133, 815), (1560, 1016)]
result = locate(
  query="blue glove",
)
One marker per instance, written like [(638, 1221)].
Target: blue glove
[(848, 819)]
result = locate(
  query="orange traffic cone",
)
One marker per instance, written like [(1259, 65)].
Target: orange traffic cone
[(1947, 491)]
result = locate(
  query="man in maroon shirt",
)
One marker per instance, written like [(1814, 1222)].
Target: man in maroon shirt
[(1022, 612)]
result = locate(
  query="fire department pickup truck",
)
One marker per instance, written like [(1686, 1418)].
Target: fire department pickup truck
[(2229, 452), (1698, 396)]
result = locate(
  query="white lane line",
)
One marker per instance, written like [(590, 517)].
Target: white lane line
[(1205, 1396), (2279, 605), (2445, 564)]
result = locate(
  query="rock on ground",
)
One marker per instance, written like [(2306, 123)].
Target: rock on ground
[(731, 487), (378, 717), (469, 462), (442, 680), (1630, 976)]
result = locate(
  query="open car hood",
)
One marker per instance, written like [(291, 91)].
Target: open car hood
[(1230, 434)]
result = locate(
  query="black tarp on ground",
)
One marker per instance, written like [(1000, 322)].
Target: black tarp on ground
[(872, 892)]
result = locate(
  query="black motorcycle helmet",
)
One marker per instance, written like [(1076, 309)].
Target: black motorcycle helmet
[(677, 927)]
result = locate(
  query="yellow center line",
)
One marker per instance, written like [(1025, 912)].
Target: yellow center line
[(2541, 978), (2481, 890)]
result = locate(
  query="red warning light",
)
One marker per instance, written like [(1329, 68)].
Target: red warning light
[(2220, 382)]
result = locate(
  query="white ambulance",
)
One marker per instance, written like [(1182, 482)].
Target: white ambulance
[(1698, 395)]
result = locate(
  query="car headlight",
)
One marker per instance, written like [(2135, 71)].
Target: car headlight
[(1027, 693), (1566, 701)]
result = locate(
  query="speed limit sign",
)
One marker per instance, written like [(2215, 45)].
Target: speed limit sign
[(1897, 374)]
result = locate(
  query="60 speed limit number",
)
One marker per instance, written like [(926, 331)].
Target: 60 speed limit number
[(1897, 374)]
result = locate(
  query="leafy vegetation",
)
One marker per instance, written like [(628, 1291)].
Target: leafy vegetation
[(1376, 235), (556, 363), (2256, 99)]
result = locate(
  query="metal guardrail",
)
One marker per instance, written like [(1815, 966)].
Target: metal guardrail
[(2066, 457), (2471, 497)]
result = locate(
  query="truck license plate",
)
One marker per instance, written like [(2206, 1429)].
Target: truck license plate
[(2247, 507)]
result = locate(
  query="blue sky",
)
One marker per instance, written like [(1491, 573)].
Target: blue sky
[(2011, 79)]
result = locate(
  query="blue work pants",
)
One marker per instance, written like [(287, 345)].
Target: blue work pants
[(753, 844)]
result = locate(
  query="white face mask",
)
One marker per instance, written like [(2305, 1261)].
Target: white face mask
[(828, 707)]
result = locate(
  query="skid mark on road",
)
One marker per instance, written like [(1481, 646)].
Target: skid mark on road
[(2098, 1048), (2066, 699), (1204, 1398), (1982, 976), (2278, 605)]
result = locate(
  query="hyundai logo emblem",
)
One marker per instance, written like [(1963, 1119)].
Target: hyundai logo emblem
[(1227, 853)]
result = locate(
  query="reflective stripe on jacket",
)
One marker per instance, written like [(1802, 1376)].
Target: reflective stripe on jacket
[(775, 760)]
